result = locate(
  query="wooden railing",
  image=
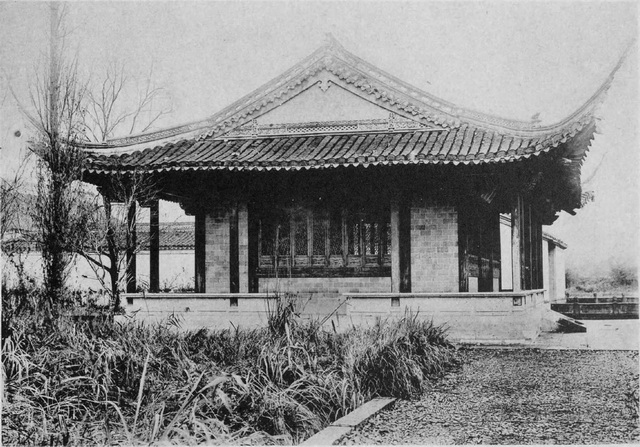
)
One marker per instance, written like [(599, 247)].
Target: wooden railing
[(602, 298)]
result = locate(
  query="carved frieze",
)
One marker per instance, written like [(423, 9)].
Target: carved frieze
[(394, 122)]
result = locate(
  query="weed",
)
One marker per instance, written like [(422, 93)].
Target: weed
[(131, 383)]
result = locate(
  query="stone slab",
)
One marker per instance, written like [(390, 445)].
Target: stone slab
[(363, 412), (328, 435), (601, 335), (345, 424)]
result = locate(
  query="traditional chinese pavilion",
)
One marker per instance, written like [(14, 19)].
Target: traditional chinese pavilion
[(364, 195)]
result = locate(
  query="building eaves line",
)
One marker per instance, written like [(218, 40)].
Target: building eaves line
[(355, 163)]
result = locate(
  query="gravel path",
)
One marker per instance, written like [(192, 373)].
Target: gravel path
[(518, 397)]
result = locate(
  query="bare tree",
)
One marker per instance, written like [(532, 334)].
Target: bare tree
[(68, 112), (58, 102), (14, 219), (112, 112), (110, 232), (11, 201)]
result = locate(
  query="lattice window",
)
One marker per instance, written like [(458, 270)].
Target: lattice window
[(371, 237), (369, 234), (274, 239), (283, 239), (267, 236), (386, 240), (335, 233), (354, 235), (300, 235), (324, 238), (320, 229)]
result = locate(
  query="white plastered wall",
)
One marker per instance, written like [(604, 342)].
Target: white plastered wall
[(557, 284)]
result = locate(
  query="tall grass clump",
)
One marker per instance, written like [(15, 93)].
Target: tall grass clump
[(135, 383), (399, 358)]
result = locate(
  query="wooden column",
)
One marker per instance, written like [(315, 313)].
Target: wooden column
[(516, 250), (539, 281), (112, 247), (253, 250), (405, 245), (234, 253), (395, 245), (132, 241), (243, 246), (154, 247), (199, 241), (463, 246), (495, 249), (526, 246)]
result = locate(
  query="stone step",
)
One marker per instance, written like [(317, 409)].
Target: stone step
[(345, 424)]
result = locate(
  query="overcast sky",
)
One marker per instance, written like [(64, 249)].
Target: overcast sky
[(509, 59)]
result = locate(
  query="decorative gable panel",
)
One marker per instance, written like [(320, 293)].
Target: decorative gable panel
[(324, 100)]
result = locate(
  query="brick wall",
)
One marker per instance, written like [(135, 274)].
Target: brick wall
[(434, 247), (217, 251)]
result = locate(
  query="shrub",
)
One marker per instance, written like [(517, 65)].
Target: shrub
[(620, 278), (623, 276), (137, 383), (397, 358)]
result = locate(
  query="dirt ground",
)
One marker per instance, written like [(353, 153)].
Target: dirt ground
[(600, 335), (519, 396)]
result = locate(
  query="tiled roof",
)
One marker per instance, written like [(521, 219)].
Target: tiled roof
[(448, 134), (461, 145), (554, 240), (173, 236)]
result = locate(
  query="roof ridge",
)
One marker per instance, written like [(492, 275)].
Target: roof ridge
[(526, 125), (599, 94), (405, 99), (231, 106)]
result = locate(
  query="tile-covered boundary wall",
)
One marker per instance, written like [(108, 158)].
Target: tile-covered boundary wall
[(434, 247)]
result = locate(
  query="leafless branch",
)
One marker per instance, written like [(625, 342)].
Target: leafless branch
[(109, 112), (11, 200)]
